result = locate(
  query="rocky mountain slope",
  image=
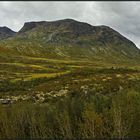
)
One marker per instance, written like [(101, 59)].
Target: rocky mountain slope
[(70, 39)]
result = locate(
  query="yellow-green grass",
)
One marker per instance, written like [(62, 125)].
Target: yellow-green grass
[(54, 60), (75, 66), (40, 75), (24, 65), (34, 67), (84, 62)]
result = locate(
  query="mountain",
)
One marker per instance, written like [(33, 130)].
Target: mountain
[(71, 39), (5, 33)]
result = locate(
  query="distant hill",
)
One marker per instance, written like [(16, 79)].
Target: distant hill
[(5, 33)]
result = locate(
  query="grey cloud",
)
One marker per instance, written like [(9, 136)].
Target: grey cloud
[(122, 16)]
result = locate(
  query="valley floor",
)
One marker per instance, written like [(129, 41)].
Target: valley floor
[(94, 98)]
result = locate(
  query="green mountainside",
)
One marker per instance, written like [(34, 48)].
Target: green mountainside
[(70, 39)]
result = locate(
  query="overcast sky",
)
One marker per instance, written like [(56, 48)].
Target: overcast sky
[(122, 16)]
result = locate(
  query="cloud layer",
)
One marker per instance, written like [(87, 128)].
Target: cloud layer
[(122, 16)]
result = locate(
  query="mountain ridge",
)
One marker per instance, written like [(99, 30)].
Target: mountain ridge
[(77, 27), (68, 38)]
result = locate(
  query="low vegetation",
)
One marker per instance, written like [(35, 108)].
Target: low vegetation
[(77, 115), (69, 100)]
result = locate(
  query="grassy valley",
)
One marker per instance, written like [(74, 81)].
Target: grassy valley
[(67, 79)]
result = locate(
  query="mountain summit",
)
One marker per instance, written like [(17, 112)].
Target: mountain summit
[(66, 25)]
